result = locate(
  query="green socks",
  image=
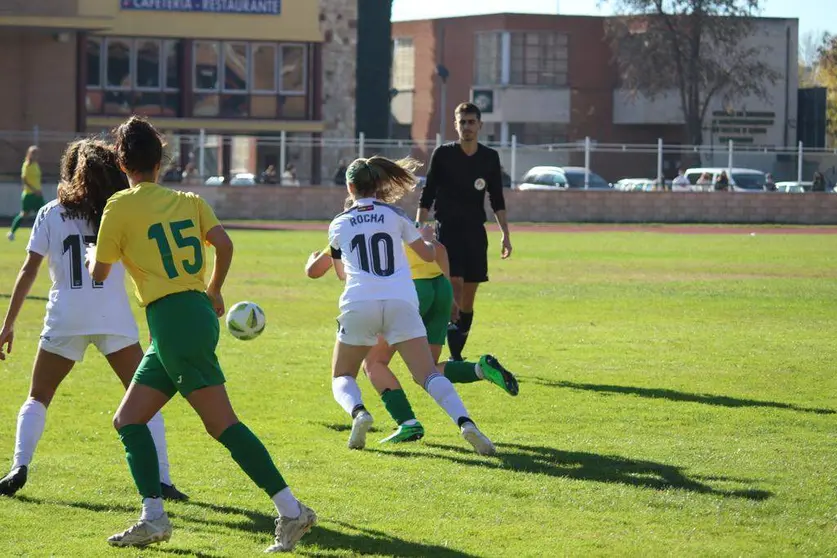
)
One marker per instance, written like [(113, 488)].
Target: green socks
[(397, 405), (459, 372), (16, 222), (142, 458), (251, 455)]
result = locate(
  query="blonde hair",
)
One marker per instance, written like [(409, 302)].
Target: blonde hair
[(381, 178)]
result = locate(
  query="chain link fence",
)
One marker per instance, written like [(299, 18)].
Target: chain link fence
[(300, 158)]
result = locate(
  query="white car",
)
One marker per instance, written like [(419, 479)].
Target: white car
[(243, 179), (794, 187), (740, 180), (561, 178)]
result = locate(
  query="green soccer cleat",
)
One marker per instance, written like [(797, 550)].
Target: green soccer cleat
[(496, 374), (405, 433)]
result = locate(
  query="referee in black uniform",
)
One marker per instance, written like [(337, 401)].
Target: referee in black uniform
[(458, 177)]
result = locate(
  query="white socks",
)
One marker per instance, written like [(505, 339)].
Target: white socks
[(346, 392), (158, 433), (445, 395), (152, 508), (30, 427), (286, 503)]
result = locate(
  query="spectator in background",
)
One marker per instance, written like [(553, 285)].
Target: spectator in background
[(680, 182), (190, 174), (340, 174), (269, 175), (722, 182), (289, 176), (819, 182), (769, 183), (705, 182), (32, 198)]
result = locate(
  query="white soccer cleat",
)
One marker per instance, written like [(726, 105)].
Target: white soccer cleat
[(144, 533), (360, 426), (290, 530), (10, 235), (480, 441)]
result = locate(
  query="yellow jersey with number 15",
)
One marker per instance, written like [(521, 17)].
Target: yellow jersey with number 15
[(159, 234)]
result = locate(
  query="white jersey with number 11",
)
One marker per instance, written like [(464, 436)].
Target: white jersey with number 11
[(77, 305)]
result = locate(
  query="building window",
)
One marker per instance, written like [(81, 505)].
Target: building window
[(207, 59), (148, 65), (293, 69), (171, 59), (538, 133), (118, 64), (488, 61), (539, 59), (403, 65), (263, 67), (236, 68), (139, 76), (94, 62), (258, 80)]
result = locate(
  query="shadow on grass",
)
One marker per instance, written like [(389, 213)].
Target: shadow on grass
[(672, 395), (358, 540), (582, 466), (344, 427)]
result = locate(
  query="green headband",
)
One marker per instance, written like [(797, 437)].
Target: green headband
[(352, 173)]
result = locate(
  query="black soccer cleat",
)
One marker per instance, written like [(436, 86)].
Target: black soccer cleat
[(14, 481), (169, 492)]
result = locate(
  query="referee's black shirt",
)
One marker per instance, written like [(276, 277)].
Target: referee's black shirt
[(457, 183)]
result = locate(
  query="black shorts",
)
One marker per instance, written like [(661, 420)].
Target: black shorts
[(467, 251)]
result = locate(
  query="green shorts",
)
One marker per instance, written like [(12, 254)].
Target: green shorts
[(184, 334), (435, 302), (31, 202)]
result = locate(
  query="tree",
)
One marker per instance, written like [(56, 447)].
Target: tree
[(808, 59), (696, 48), (826, 76)]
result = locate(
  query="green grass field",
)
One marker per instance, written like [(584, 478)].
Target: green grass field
[(678, 397)]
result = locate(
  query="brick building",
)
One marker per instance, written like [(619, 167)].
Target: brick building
[(550, 79), (244, 68)]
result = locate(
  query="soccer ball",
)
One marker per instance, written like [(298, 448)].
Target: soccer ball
[(245, 320)]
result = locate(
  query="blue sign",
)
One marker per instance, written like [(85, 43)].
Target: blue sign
[(249, 7)]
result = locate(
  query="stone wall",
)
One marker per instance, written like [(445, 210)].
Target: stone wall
[(338, 20), (323, 202)]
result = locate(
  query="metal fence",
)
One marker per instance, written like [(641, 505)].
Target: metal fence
[(303, 159)]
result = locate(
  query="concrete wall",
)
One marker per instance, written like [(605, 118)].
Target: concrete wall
[(322, 203)]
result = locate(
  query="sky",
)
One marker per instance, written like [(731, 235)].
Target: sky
[(814, 15)]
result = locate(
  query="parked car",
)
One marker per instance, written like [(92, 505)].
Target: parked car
[(740, 180), (794, 187), (243, 179), (634, 185), (561, 178), (214, 181)]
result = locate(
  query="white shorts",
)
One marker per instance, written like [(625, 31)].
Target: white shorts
[(361, 322), (72, 347)]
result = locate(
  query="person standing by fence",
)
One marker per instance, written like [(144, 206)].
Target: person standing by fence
[(32, 198)]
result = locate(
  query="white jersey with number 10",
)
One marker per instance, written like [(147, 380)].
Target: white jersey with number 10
[(369, 238), (77, 305)]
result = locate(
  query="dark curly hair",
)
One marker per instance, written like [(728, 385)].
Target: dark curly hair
[(96, 178), (139, 146), (69, 160)]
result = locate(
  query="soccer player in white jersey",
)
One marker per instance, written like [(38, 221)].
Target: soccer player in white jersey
[(79, 312), (367, 246)]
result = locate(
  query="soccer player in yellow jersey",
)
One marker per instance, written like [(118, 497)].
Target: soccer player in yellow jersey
[(32, 198), (436, 306), (159, 235)]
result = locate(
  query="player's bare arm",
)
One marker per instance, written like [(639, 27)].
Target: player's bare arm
[(223, 244), (25, 279)]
